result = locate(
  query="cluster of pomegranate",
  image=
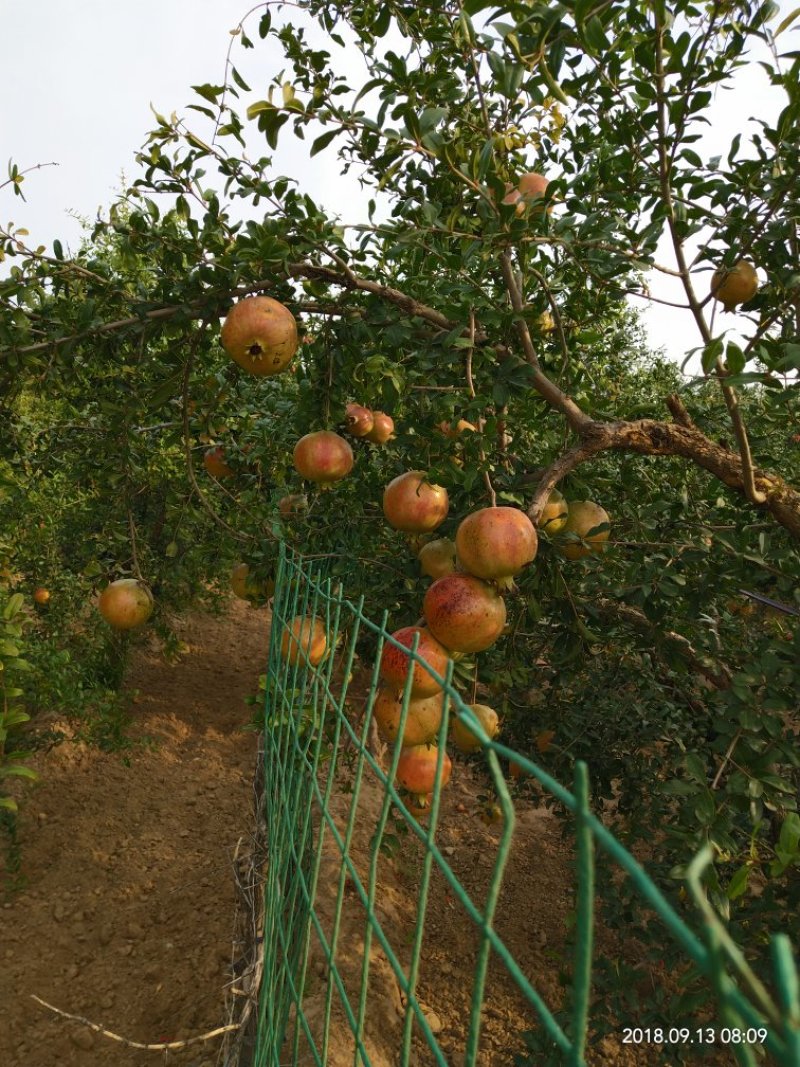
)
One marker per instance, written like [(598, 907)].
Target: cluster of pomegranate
[(374, 426), (586, 521)]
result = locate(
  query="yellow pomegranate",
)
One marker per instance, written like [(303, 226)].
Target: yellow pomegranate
[(463, 737), (583, 516), (554, 517), (438, 557), (260, 334), (734, 285)]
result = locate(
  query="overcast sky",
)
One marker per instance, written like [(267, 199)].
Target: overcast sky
[(77, 81)]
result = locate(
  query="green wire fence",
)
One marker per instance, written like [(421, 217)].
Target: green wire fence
[(329, 964)]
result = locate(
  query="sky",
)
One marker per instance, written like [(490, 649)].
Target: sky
[(77, 81)]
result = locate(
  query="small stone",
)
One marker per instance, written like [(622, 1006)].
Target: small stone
[(72, 971), (59, 912), (107, 1001), (105, 934), (42, 816), (83, 1039), (135, 932), (433, 1020)]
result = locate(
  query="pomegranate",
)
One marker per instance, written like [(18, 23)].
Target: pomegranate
[(293, 504), (126, 604), (422, 721), (416, 768), (438, 557), (359, 420), (215, 463), (461, 734), (554, 516), (412, 504), (546, 322), (583, 516), (304, 640), (260, 334), (323, 457), (454, 429), (41, 595), (464, 613), (247, 586), (496, 543), (382, 428), (395, 662), (417, 804), (734, 285), (529, 188)]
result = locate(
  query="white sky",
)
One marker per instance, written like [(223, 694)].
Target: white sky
[(77, 81)]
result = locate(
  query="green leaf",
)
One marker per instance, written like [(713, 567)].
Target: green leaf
[(209, 92), (324, 140), (738, 883), (258, 107), (711, 353)]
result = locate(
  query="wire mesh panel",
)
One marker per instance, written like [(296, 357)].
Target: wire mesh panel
[(357, 876)]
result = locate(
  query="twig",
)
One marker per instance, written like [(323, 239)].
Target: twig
[(726, 758), (163, 1046)]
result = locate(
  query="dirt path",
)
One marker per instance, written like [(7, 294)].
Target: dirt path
[(127, 919)]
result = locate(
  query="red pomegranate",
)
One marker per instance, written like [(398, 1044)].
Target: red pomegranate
[(359, 420), (395, 662), (464, 613), (496, 543), (215, 463), (412, 504), (418, 805), (126, 604), (382, 428), (323, 457), (260, 334), (423, 719), (293, 504), (416, 768)]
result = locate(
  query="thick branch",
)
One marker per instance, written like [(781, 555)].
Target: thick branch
[(716, 673)]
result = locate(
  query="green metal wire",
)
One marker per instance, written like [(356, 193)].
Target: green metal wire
[(308, 739)]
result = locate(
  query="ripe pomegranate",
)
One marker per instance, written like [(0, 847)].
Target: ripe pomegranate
[(529, 188), (417, 804), (464, 613), (416, 768), (454, 429), (304, 640), (422, 721), (247, 587), (382, 428), (293, 504), (412, 504), (734, 285), (323, 457), (462, 736), (260, 334), (582, 517), (41, 595), (215, 463), (438, 557), (496, 543), (359, 420), (395, 662), (126, 604), (554, 517)]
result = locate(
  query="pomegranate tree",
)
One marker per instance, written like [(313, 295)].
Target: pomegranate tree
[(412, 504), (423, 719), (396, 662), (323, 457), (416, 768), (496, 543), (260, 334), (126, 604), (464, 613)]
